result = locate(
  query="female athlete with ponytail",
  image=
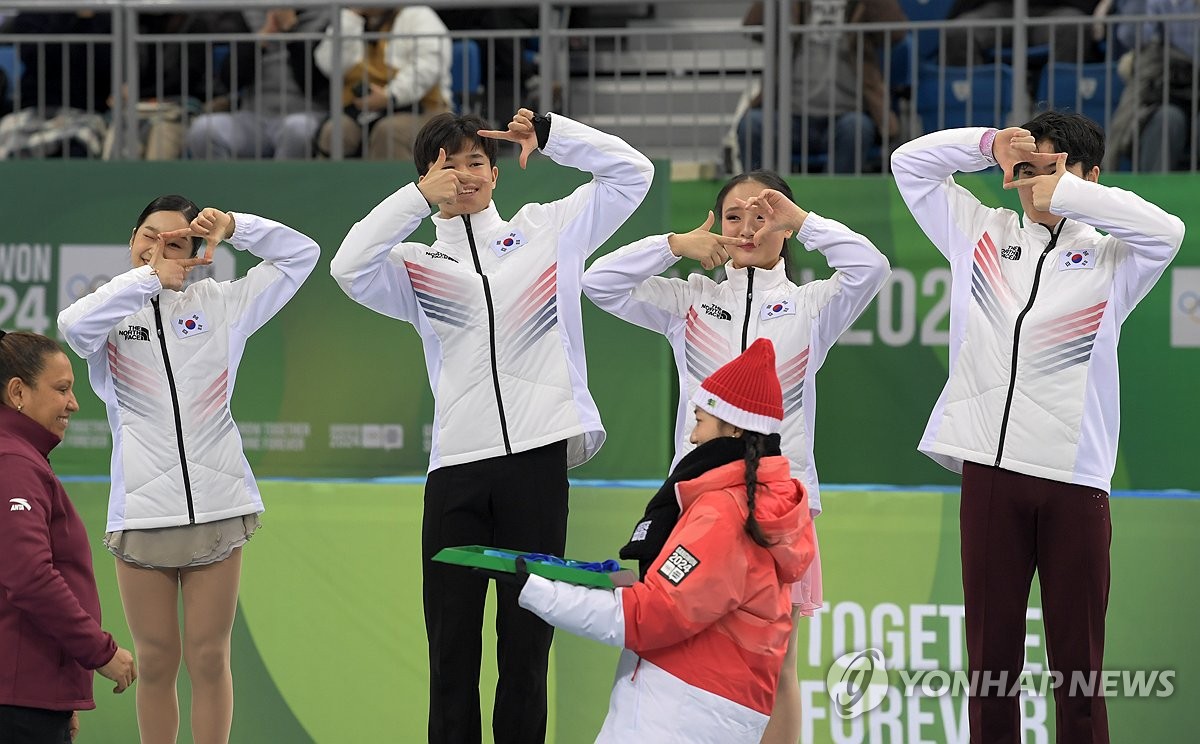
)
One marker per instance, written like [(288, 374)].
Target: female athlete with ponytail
[(704, 632)]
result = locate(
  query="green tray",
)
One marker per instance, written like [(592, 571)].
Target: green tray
[(472, 555)]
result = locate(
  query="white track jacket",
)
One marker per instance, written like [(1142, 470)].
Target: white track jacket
[(496, 301), (709, 323), (164, 363), (1035, 315)]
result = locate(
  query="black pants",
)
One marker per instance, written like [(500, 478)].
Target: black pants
[(34, 725), (1012, 524), (518, 502)]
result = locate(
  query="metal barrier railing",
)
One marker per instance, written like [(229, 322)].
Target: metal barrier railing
[(688, 96)]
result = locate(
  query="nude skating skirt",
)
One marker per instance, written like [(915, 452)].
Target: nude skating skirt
[(186, 546)]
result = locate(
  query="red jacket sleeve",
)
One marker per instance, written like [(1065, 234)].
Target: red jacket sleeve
[(28, 578), (697, 579)]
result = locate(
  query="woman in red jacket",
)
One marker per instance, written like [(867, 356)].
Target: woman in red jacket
[(706, 630), (50, 634)]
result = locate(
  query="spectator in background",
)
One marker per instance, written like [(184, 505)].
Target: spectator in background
[(977, 44), (506, 74), (64, 88), (1163, 54), (174, 82), (842, 120), (392, 85), (283, 106), (6, 81)]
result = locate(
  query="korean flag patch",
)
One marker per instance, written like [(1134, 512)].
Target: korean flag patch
[(678, 565), (507, 243), (776, 309), (190, 325), (1081, 259)]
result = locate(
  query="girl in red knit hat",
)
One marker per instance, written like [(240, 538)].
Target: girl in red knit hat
[(705, 631), (708, 322)]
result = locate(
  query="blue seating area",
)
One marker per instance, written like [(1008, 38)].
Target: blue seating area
[(926, 40), (466, 74), (672, 93), (963, 96), (1092, 89), (11, 66), (983, 95)]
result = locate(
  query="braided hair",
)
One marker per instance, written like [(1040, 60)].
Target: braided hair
[(755, 446)]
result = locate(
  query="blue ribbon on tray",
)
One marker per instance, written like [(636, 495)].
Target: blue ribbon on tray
[(606, 566)]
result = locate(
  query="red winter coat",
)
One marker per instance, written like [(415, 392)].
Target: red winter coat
[(714, 609), (706, 631)]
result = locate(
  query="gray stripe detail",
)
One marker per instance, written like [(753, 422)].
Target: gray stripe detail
[(985, 299), (1053, 354), (696, 365), (536, 327), (132, 400), (210, 435), (444, 307)]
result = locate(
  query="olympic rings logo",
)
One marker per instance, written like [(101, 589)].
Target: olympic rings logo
[(1189, 304), (81, 285)]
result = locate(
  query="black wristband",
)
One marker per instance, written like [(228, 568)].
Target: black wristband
[(541, 127)]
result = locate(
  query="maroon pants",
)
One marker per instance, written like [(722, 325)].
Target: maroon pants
[(1012, 524)]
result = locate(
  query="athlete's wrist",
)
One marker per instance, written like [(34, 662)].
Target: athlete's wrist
[(986, 143)]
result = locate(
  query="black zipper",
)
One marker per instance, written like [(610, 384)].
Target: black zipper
[(1012, 375), (162, 342), (491, 311), (749, 295)]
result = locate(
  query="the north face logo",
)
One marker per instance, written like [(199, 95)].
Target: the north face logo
[(1012, 253), (135, 333), (717, 312), (439, 254)]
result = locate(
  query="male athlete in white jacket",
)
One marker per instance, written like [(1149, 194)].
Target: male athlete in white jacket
[(1030, 413), (496, 302)]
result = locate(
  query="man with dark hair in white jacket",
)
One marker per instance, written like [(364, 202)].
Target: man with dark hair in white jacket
[(496, 302), (1030, 413)]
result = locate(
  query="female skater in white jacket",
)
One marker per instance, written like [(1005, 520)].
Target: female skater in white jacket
[(708, 323), (183, 500)]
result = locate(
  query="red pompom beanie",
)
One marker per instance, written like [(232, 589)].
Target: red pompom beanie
[(745, 392)]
